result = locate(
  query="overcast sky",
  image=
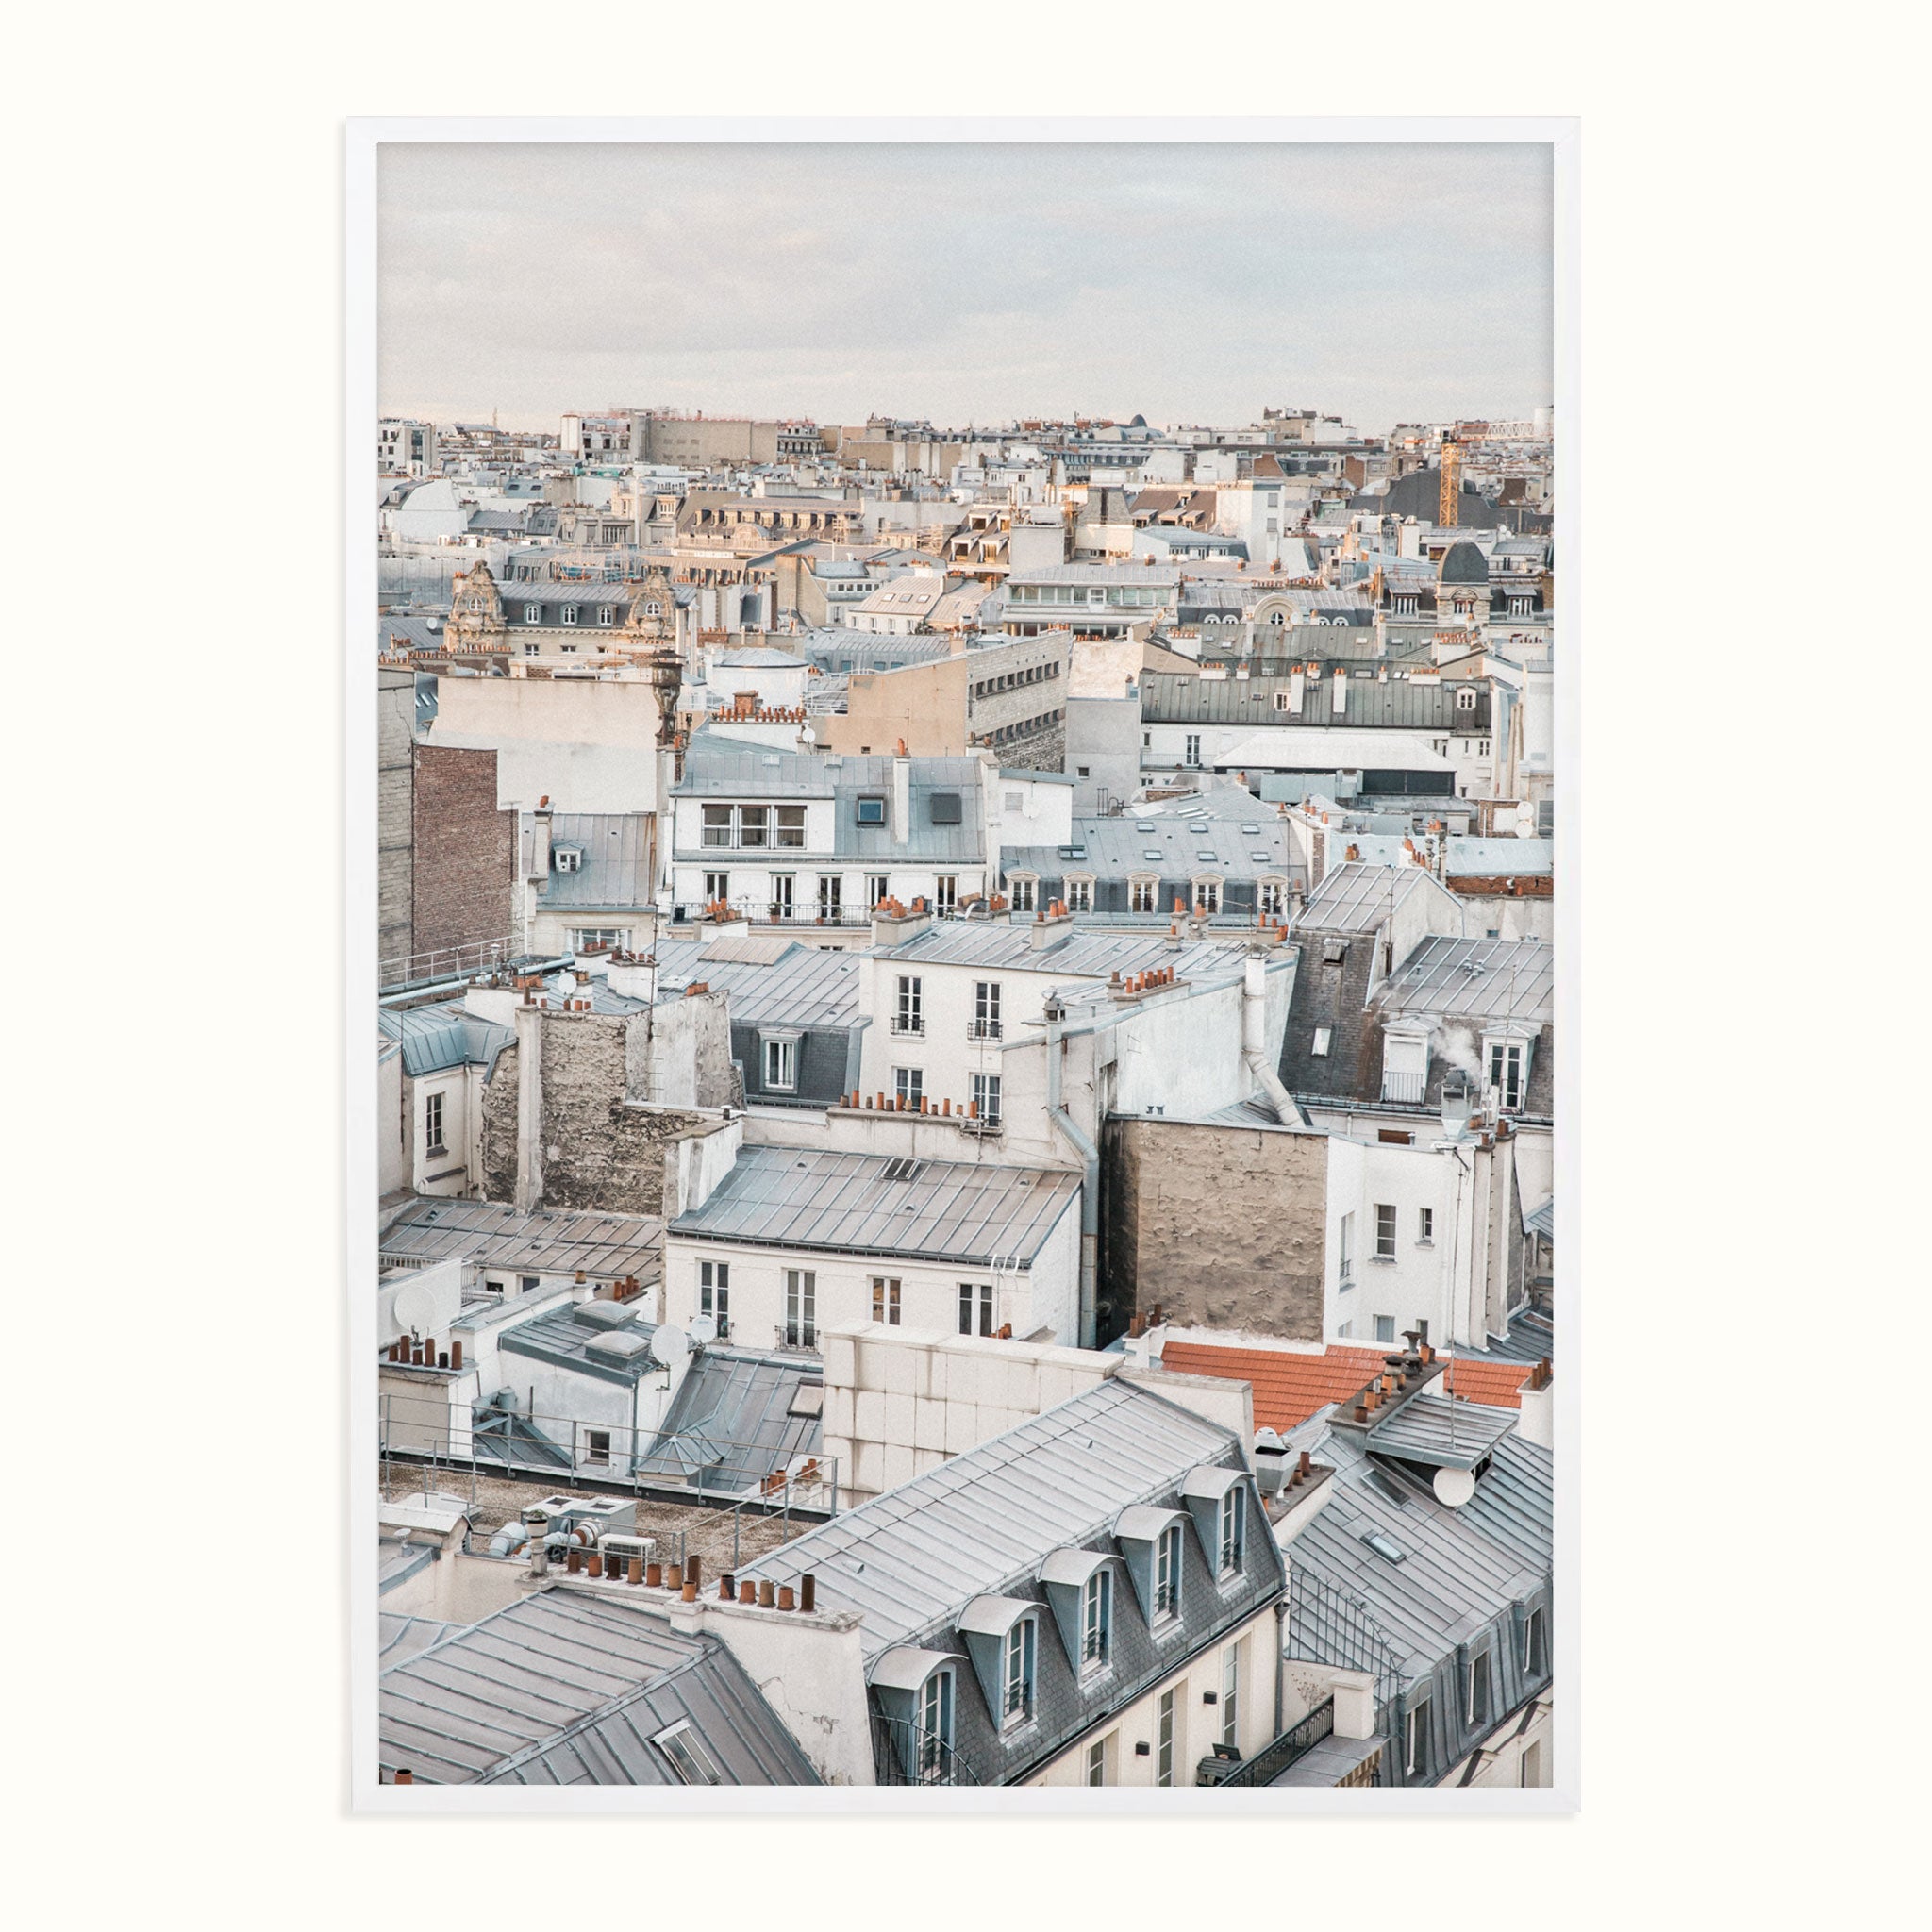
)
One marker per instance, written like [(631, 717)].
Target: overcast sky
[(965, 283)]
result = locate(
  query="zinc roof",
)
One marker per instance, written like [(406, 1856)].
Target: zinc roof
[(1358, 898), (846, 1203), (496, 1235), (568, 1688), (986, 1520), (1477, 979), (1173, 697), (801, 986), (730, 1424), (1086, 952), (435, 1038), (616, 869)]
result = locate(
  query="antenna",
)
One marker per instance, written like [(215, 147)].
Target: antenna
[(414, 1308), (669, 1346)]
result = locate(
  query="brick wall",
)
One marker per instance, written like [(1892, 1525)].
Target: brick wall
[(465, 850), (1224, 1226)]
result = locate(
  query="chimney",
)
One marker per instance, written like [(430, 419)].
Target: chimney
[(807, 1592), (902, 797), (405, 1777), (1536, 1422)]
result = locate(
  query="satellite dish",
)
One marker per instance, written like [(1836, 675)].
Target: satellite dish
[(1454, 1487), (414, 1308), (701, 1331), (669, 1346)]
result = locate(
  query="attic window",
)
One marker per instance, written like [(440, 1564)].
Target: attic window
[(872, 811), (689, 1758), (808, 1399), (902, 1170), (1321, 1046), (945, 807), (1385, 1546), (1334, 952)]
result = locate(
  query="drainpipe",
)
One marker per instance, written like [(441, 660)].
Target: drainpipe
[(1280, 1645), (1255, 1041), (1090, 1190)]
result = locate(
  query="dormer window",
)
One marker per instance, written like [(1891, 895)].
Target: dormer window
[(1508, 1064), (533, 613), (606, 613), (1167, 1573), (1096, 1620), (1017, 1659), (1404, 606), (1233, 1531), (1465, 701), (1024, 887), (1079, 895), (567, 613)]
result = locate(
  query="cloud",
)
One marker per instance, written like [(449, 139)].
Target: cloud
[(1188, 281)]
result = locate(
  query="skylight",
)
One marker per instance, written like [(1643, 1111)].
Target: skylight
[(1384, 1547)]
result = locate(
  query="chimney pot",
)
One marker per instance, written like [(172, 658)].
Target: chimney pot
[(690, 1592), (635, 1571), (747, 1592), (595, 1566), (786, 1600), (674, 1577), (653, 1573), (767, 1596), (406, 1778), (807, 1592)]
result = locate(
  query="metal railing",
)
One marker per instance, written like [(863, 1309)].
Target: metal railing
[(446, 962), (905, 1753), (1406, 1089), (983, 1029), (1268, 1764), (906, 1027)]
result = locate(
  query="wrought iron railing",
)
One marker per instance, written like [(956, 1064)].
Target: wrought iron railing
[(446, 962), (905, 1753), (1268, 1764)]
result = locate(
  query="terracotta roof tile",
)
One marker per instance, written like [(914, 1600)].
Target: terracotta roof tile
[(1288, 1388)]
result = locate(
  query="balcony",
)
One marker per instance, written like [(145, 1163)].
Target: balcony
[(1406, 1089), (908, 1026), (1272, 1760), (983, 1029)]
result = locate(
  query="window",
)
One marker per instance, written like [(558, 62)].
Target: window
[(1231, 1694), (432, 1124), (1096, 1618), (567, 613), (1415, 1743), (754, 825), (1322, 1036), (1144, 895), (878, 887), (1465, 700), (1207, 895), (606, 613), (1167, 1573), (801, 1307), (1271, 896), (1346, 1329), (1096, 1761), (1530, 1767), (986, 1097), (1478, 1691), (1385, 1231), (935, 1724), (1385, 1328), (872, 811), (976, 1296), (790, 826), (717, 887), (597, 1446), (714, 1293), (831, 894), (1536, 1646), (784, 894), (1193, 754), (781, 1065), (689, 1758), (1505, 1070), (1164, 1741), (717, 825), (1079, 895), (529, 1284), (1345, 1259), (908, 1087), (589, 939), (909, 1015), (1233, 1530), (1024, 887), (1016, 1672), (986, 1009), (533, 613), (945, 891), (1426, 1225), (884, 1299)]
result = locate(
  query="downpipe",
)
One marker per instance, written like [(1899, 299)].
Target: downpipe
[(1089, 1192)]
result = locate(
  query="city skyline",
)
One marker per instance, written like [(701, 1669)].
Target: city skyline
[(1185, 282)]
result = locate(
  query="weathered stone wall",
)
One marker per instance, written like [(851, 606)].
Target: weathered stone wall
[(1223, 1226), (499, 1142), (465, 850), (600, 1150), (395, 727)]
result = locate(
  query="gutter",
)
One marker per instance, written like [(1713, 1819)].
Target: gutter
[(1089, 1192), (1253, 1043)]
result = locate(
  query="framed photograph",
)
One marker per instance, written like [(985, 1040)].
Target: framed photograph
[(962, 848)]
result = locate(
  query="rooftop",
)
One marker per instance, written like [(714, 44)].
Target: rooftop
[(950, 1210), (1511, 979), (496, 1235), (1358, 898), (1290, 1387)]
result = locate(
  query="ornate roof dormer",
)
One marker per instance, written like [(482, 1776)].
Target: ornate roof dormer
[(650, 614), (475, 614)]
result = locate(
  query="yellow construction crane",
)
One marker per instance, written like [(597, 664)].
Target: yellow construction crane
[(1448, 501)]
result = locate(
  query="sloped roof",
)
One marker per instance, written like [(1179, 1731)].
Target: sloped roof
[(1355, 897), (1289, 1388), (848, 1202), (1476, 979), (436, 1038), (569, 1688), (496, 1235)]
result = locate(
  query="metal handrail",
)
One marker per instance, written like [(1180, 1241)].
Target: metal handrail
[(1268, 1763), (905, 1753)]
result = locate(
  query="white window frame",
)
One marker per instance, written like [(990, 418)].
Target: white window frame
[(1322, 1036), (779, 1057), (1023, 891), (1167, 1575), (936, 1705), (986, 1009), (1415, 1739), (1487, 1678), (801, 1307), (1080, 890), (977, 1308), (688, 1756), (1425, 1224), (1096, 1620), (909, 1084), (1168, 1725), (1231, 1695), (1096, 1761), (714, 1294), (433, 1142), (717, 887), (1019, 1660), (1387, 1219), (1345, 1260), (831, 894), (986, 1097), (567, 613), (1386, 1322), (1191, 750), (1143, 893), (1232, 1537), (909, 1013)]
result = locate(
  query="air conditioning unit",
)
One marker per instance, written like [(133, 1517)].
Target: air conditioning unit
[(621, 1546)]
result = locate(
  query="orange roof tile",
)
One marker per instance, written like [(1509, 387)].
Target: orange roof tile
[(1288, 1388)]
